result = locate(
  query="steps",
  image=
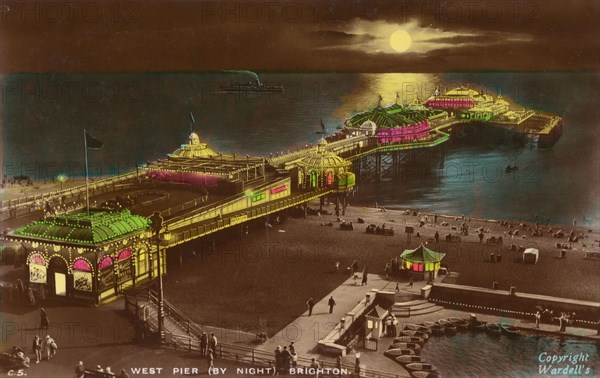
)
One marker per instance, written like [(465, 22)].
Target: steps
[(414, 307)]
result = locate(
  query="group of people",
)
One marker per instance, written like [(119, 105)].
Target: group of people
[(389, 325), (80, 372), (355, 271), (285, 358), (18, 293), (208, 347)]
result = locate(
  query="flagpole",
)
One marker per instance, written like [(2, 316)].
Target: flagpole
[(87, 181)]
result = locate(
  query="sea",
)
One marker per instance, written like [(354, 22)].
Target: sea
[(143, 116)]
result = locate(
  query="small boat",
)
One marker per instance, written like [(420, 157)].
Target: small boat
[(426, 374), (409, 339), (510, 169), (493, 329), (399, 352), (416, 327), (509, 329), (414, 346), (422, 335), (420, 366), (461, 324), (448, 325), (408, 359), (435, 328), (477, 325)]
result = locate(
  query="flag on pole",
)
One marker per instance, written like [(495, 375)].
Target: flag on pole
[(92, 142)]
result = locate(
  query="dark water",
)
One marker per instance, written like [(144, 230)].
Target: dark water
[(479, 355), (142, 117)]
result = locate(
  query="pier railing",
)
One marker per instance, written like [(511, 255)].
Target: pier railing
[(240, 354)]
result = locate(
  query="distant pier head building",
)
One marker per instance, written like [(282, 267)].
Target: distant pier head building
[(467, 104)]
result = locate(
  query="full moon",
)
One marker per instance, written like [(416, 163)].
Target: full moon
[(400, 40)]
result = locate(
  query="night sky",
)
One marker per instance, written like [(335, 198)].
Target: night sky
[(342, 36)]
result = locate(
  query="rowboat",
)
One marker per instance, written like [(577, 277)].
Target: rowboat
[(409, 339), (422, 335), (399, 352), (416, 327), (408, 359), (426, 374), (461, 324), (509, 329), (435, 328), (477, 325), (493, 329), (414, 346), (420, 366), (448, 325)]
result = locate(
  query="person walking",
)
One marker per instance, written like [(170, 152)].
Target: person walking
[(310, 303), (292, 348), (45, 323), (537, 319), (51, 347), (30, 296), (210, 360), (410, 283), (213, 342), (203, 344), (286, 359), (37, 348), (437, 237), (331, 303), (364, 277), (278, 359), (79, 370), (397, 290)]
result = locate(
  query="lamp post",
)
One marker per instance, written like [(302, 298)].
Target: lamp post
[(157, 225)]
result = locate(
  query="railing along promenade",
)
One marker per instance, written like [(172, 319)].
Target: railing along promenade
[(190, 332)]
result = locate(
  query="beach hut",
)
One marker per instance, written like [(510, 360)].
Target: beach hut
[(531, 256), (422, 261)]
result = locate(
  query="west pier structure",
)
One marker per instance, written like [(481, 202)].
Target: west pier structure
[(199, 191)]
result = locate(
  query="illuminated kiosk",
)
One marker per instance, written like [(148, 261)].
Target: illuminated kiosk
[(422, 262), (374, 321), (395, 123), (197, 164), (88, 257)]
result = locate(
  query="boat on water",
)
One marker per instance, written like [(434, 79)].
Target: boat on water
[(435, 328), (422, 335), (408, 359), (417, 327), (510, 168), (509, 329), (409, 339), (252, 86), (426, 374), (461, 324), (399, 352), (420, 366), (416, 347), (477, 325), (493, 329), (449, 327)]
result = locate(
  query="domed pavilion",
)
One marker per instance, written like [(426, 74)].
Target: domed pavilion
[(194, 149), (321, 168)]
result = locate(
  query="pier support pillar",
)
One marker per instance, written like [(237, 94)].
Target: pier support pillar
[(305, 207)]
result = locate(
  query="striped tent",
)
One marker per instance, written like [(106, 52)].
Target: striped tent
[(421, 259)]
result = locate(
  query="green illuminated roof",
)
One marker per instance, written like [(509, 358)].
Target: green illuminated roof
[(393, 116), (422, 254), (97, 227)]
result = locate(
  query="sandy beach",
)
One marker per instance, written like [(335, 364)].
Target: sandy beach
[(243, 281)]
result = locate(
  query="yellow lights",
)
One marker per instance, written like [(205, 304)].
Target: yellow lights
[(56, 248)]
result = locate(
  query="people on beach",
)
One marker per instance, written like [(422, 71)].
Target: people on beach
[(331, 303), (310, 304), (437, 237)]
